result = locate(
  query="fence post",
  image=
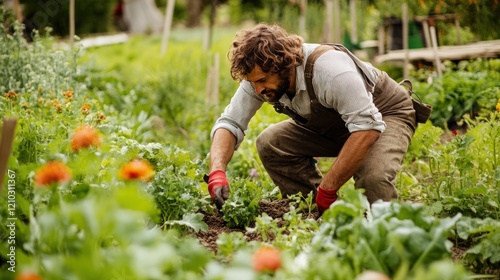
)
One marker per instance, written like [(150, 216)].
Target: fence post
[(8, 130)]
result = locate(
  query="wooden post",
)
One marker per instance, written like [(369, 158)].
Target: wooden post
[(302, 19), (71, 22), (405, 40), (336, 16), (327, 32), (17, 11), (437, 63), (167, 26), (212, 89), (354, 22), (8, 131), (381, 39), (427, 36)]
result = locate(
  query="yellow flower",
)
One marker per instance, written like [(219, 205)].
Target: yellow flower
[(498, 106)]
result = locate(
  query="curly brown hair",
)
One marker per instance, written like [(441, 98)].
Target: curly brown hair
[(268, 46)]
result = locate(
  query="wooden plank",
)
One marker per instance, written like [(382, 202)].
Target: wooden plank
[(483, 49), (103, 40)]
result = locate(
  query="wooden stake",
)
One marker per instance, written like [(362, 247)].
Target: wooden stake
[(8, 130), (354, 22), (17, 11), (302, 19), (167, 26), (437, 63), (327, 32), (336, 9)]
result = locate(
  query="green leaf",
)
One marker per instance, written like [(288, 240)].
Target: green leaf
[(191, 220)]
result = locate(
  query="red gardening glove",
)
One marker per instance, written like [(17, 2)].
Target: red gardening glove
[(325, 198), (218, 187)]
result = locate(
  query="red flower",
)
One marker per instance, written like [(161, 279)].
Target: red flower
[(85, 137), (52, 172), (137, 169), (266, 259)]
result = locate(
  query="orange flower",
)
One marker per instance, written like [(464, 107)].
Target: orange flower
[(498, 106), (85, 109), (28, 276), (85, 136), (68, 94), (52, 172), (266, 259), (10, 95), (137, 169)]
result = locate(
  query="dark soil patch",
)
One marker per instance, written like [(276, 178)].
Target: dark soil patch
[(216, 225)]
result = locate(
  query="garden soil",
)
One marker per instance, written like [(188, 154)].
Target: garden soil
[(216, 225)]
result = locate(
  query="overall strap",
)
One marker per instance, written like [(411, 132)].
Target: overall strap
[(308, 71)]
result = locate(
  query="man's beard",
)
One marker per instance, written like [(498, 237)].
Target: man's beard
[(272, 96)]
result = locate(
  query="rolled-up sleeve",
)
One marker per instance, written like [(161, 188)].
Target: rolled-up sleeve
[(238, 113)]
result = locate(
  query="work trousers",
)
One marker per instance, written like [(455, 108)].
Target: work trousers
[(287, 149)]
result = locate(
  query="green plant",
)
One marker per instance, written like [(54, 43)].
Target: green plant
[(394, 238), (485, 237), (242, 207)]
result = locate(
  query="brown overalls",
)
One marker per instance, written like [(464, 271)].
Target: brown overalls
[(287, 149)]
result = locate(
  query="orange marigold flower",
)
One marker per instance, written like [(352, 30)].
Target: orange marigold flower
[(10, 95), (137, 169), (85, 109), (498, 106), (52, 172), (68, 94), (28, 276), (85, 136), (266, 259)]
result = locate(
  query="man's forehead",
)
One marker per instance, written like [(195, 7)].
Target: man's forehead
[(256, 74)]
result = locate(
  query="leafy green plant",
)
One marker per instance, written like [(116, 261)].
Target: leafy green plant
[(471, 88), (393, 238), (463, 172), (485, 237), (242, 207)]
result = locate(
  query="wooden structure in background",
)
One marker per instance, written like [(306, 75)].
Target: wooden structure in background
[(393, 43)]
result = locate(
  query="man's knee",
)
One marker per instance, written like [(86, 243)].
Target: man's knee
[(378, 187)]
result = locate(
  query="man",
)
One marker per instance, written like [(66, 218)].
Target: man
[(343, 108)]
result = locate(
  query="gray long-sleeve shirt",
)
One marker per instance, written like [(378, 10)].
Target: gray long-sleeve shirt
[(338, 83)]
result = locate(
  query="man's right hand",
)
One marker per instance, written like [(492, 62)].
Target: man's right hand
[(218, 187)]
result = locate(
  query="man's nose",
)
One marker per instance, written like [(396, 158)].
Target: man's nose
[(259, 88)]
